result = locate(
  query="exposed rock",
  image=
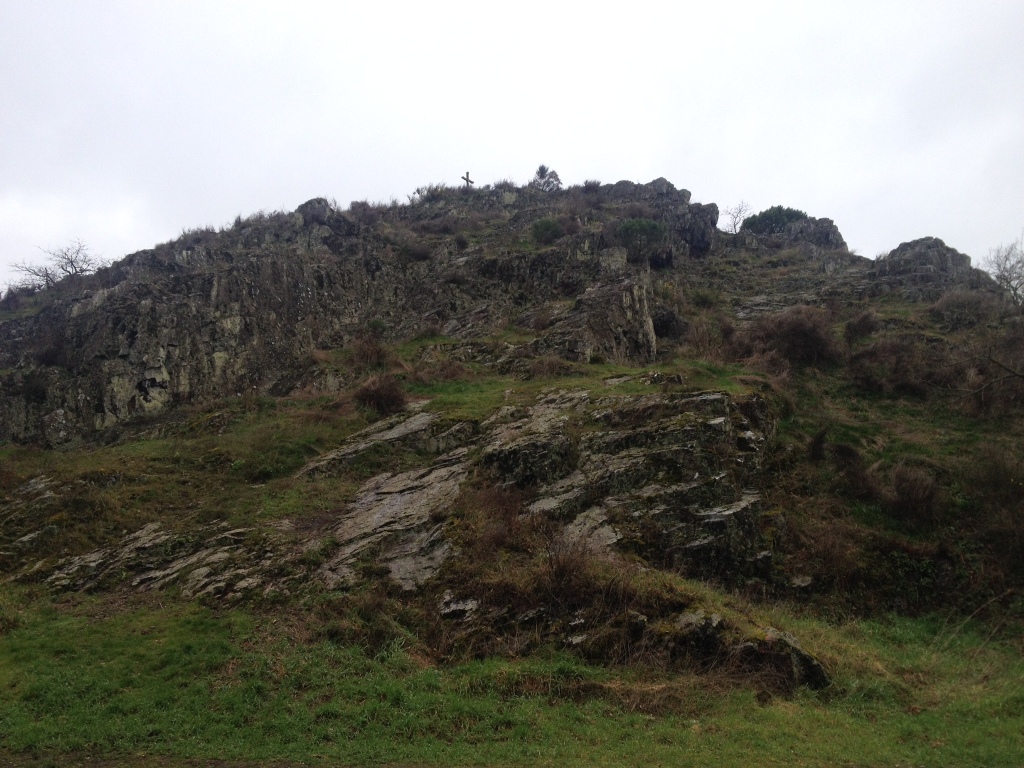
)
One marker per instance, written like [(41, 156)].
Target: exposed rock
[(820, 232), (667, 324), (400, 428), (924, 269), (452, 608), (608, 322), (151, 558), (56, 430), (782, 652), (398, 517), (697, 227), (671, 478)]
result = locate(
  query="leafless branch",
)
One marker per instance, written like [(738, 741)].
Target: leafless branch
[(1006, 265), (735, 215), (72, 260)]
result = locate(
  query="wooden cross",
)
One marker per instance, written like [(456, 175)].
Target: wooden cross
[(467, 180)]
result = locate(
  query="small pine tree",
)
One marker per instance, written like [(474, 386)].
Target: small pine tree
[(546, 179)]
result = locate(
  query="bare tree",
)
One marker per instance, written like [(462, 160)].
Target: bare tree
[(736, 215), (1006, 265), (72, 260)]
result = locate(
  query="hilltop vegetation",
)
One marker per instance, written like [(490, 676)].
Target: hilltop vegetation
[(508, 474)]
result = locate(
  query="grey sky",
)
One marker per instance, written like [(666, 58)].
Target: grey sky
[(121, 123)]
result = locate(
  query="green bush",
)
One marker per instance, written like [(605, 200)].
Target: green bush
[(772, 221), (546, 231), (639, 236)]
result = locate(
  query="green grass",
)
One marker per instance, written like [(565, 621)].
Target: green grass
[(187, 682)]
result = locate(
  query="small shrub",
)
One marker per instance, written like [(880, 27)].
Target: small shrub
[(383, 394), (832, 547), (701, 339), (444, 225), (855, 479), (997, 477), (364, 212), (957, 310), (461, 241), (591, 187), (705, 298), (994, 381), (369, 354), (902, 366), (35, 388), (546, 179), (12, 301), (801, 335), (500, 521), (568, 575), (429, 329), (542, 319), (640, 236), (996, 482), (570, 224), (546, 231), (914, 494), (668, 324), (432, 193), (361, 618), (549, 366), (441, 370), (816, 446), (640, 211), (8, 479), (416, 251), (860, 327)]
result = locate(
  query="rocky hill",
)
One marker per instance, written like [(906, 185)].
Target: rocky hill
[(243, 310), (495, 420)]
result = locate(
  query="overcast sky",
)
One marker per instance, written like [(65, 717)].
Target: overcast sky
[(121, 123)]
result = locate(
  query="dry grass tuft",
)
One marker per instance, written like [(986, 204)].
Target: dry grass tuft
[(914, 495), (860, 327), (369, 354), (383, 394), (550, 366)]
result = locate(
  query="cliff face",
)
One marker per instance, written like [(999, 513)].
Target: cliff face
[(216, 314)]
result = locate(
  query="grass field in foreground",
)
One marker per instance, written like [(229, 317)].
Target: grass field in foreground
[(160, 686)]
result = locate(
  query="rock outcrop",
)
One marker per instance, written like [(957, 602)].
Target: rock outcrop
[(674, 479), (218, 314), (820, 232), (924, 269)]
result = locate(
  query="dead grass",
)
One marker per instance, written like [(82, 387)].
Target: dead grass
[(368, 353), (551, 366), (957, 310), (703, 338), (382, 393), (914, 495), (860, 327)]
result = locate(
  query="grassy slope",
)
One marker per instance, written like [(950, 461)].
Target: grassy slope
[(96, 676)]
